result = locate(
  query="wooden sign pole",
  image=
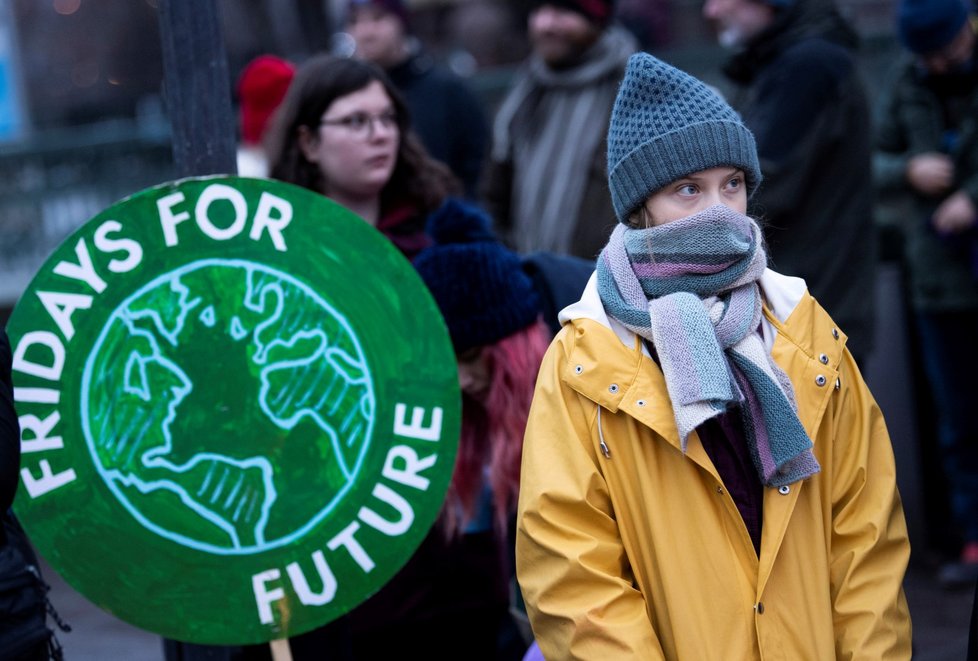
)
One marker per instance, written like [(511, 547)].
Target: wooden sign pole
[(281, 650)]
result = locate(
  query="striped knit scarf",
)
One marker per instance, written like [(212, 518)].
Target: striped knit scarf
[(690, 287), (552, 125)]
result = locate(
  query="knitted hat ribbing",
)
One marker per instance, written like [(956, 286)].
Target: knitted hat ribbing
[(666, 124), (479, 285), (926, 26)]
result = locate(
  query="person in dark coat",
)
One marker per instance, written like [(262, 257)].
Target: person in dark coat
[(801, 95), (445, 112), (927, 162)]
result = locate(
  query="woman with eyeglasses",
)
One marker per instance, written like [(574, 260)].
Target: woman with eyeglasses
[(344, 131)]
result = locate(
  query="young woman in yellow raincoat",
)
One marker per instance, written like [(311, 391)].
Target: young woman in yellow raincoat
[(705, 473)]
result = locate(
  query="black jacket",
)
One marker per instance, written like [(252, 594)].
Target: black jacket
[(804, 100), (447, 115)]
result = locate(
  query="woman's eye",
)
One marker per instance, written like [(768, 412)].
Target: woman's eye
[(687, 189), (735, 183), (357, 122)]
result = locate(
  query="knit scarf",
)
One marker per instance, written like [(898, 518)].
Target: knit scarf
[(552, 125), (690, 288)]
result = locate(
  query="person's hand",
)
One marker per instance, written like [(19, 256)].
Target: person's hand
[(955, 214), (930, 173)]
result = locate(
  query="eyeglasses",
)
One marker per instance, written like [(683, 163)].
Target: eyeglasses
[(361, 124)]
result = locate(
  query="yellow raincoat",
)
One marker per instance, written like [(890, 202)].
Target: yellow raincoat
[(629, 549)]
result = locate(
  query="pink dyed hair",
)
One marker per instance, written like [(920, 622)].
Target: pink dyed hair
[(492, 433)]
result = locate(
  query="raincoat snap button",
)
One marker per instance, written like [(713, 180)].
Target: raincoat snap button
[(759, 608), (613, 388), (579, 369), (784, 490), (719, 490), (835, 333), (822, 358), (641, 402), (820, 380)]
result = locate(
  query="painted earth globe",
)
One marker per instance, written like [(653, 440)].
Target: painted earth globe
[(172, 361)]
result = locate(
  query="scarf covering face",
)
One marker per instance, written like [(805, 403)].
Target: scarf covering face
[(690, 287)]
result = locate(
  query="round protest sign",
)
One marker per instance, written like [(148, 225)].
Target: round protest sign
[(239, 410)]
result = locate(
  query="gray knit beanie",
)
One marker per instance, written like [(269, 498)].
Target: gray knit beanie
[(666, 124)]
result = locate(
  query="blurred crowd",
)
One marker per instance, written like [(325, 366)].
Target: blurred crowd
[(534, 166), (505, 209)]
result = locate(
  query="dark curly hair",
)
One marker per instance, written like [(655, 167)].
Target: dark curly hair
[(417, 177)]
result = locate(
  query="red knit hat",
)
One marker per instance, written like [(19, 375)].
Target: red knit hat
[(261, 88)]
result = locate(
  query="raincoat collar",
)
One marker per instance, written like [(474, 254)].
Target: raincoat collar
[(781, 294), (801, 338)]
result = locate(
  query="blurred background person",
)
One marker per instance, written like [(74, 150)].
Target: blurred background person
[(260, 89), (801, 95), (501, 310), (927, 151), (454, 597), (546, 183), (343, 130), (457, 595), (446, 114)]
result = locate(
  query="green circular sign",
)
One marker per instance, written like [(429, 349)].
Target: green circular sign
[(239, 410)]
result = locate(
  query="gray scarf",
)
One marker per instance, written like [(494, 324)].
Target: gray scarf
[(550, 126)]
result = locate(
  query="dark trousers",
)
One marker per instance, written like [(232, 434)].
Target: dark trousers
[(949, 352)]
